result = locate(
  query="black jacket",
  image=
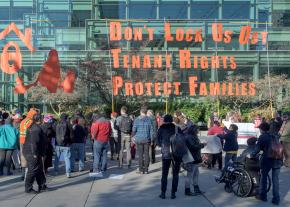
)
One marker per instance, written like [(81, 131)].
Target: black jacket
[(34, 144), (163, 138), (264, 144), (79, 134), (194, 146), (64, 134)]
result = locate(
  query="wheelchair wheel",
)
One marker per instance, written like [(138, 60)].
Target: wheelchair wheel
[(241, 183), (268, 183)]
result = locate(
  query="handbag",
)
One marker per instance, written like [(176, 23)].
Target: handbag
[(187, 158)]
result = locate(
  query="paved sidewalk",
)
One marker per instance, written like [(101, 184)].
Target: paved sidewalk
[(130, 191)]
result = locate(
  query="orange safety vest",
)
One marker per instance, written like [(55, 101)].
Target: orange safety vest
[(24, 125)]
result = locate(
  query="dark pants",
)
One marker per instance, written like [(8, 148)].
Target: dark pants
[(35, 171), (5, 159), (114, 146), (219, 158), (175, 171), (152, 152), (275, 182), (143, 153)]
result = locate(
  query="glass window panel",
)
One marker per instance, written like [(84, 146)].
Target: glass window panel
[(113, 10), (173, 10), (204, 10), (142, 10), (79, 18), (58, 19), (4, 13), (263, 16), (17, 13), (236, 10)]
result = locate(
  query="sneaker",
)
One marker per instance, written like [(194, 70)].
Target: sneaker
[(32, 191), (68, 175), (275, 203), (44, 188), (162, 195), (146, 172), (9, 173), (258, 197), (197, 191), (139, 172), (173, 196)]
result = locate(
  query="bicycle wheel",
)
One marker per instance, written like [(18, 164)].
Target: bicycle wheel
[(242, 183), (268, 183)]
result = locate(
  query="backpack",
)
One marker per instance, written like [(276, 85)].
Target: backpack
[(126, 125), (275, 149), (178, 144), (62, 132)]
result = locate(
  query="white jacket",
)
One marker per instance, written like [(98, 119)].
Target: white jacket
[(213, 145)]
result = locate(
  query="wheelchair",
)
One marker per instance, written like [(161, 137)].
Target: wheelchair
[(239, 181)]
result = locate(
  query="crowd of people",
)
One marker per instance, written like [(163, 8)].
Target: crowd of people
[(39, 138)]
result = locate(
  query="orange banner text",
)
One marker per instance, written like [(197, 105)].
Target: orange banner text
[(147, 88), (224, 89), (145, 61)]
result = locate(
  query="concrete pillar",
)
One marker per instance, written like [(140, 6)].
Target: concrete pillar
[(221, 9), (256, 71)]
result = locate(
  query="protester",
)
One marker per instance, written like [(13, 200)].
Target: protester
[(275, 125), (285, 138), (17, 118), (78, 145), (24, 125), (194, 146), (114, 138), (49, 134), (34, 151), (9, 141), (231, 145), (101, 132), (164, 133), (213, 117), (124, 124), (251, 165), (64, 138), (214, 146), (267, 164), (143, 135), (257, 121), (150, 114), (159, 119)]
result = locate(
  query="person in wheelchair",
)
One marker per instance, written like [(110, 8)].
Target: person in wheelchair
[(251, 165), (243, 162)]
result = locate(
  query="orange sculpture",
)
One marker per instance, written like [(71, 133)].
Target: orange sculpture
[(50, 77)]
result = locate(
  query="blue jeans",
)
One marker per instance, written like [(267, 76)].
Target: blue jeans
[(78, 152), (100, 156), (66, 151), (228, 158), (275, 183)]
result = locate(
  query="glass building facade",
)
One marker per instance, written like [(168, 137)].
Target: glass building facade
[(76, 28)]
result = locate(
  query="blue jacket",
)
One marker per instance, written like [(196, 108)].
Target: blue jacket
[(264, 144), (143, 129), (9, 137), (231, 141)]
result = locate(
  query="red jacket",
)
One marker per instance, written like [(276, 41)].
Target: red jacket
[(101, 130), (214, 130)]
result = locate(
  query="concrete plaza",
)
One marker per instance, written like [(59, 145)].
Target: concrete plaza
[(125, 188)]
